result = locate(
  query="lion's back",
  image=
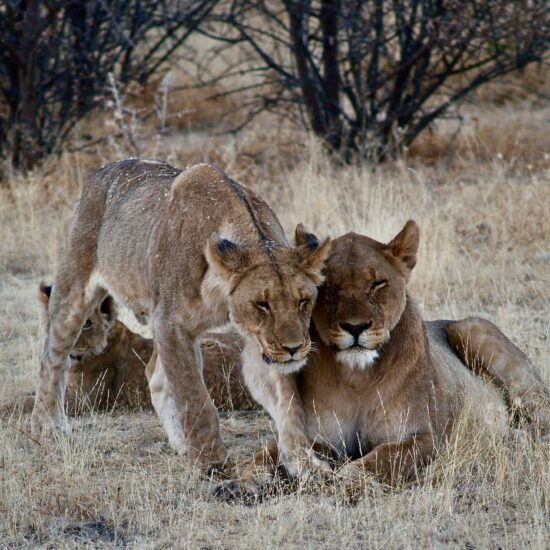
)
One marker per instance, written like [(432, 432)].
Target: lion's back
[(469, 395)]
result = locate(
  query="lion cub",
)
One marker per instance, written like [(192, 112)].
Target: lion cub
[(385, 388), (108, 364)]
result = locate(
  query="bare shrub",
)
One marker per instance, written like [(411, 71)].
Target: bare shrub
[(56, 57), (369, 76)]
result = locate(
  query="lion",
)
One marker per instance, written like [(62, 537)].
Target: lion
[(108, 367), (107, 362), (188, 250), (385, 388)]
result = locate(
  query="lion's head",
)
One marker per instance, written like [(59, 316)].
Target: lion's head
[(364, 293), (95, 331), (271, 295)]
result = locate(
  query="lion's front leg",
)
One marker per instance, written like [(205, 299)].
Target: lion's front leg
[(49, 402), (181, 399), (389, 462), (278, 394), (250, 478), (69, 306), (296, 450)]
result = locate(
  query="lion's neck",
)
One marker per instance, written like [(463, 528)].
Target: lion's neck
[(408, 342)]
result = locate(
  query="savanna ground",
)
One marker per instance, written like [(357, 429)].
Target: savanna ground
[(482, 199)]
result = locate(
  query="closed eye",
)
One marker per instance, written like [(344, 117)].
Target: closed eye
[(303, 303), (378, 284), (329, 292), (262, 305)]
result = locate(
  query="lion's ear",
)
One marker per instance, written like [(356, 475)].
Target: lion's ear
[(108, 308), (226, 257), (311, 253), (303, 237), (44, 293), (404, 246)]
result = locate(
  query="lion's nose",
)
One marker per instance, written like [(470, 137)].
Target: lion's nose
[(292, 350), (355, 330)]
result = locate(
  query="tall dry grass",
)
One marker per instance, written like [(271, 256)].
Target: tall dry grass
[(484, 213)]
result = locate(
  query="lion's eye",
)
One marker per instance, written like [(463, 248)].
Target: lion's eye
[(263, 305), (87, 325), (303, 303), (377, 285)]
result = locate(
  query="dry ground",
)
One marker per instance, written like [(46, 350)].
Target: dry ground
[(483, 203)]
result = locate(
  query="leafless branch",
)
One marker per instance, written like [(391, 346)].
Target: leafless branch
[(368, 76)]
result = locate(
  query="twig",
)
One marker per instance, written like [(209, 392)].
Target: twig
[(27, 435)]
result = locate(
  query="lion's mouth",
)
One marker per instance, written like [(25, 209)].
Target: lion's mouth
[(353, 347), (285, 367), (272, 361), (268, 359)]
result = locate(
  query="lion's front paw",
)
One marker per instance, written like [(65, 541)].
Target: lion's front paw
[(213, 461), (215, 470), (352, 480), (43, 424), (307, 463), (238, 492), (319, 466)]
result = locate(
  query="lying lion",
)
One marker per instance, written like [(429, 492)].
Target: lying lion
[(385, 388), (107, 363), (108, 366)]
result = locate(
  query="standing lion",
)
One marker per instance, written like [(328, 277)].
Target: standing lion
[(189, 250)]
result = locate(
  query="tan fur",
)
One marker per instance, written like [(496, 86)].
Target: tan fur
[(188, 250), (385, 388), (107, 363), (488, 352)]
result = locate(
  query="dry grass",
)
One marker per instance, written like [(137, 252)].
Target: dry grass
[(485, 220)]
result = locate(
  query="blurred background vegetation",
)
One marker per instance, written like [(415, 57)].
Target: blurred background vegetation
[(365, 77)]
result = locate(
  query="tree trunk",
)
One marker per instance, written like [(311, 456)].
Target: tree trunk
[(26, 140)]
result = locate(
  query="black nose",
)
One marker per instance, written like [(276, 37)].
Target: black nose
[(355, 330), (292, 351)]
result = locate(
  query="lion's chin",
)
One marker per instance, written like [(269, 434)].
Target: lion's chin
[(356, 358), (287, 367)]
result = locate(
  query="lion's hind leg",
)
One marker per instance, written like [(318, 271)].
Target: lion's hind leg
[(71, 303), (180, 397), (488, 352)]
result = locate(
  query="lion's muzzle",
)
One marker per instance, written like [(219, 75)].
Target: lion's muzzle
[(289, 358)]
